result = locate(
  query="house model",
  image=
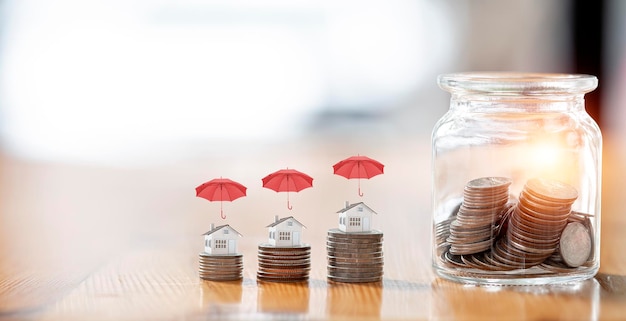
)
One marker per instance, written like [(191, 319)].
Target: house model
[(355, 217), (221, 240), (285, 232)]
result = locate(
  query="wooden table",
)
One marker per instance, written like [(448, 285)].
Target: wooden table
[(83, 242)]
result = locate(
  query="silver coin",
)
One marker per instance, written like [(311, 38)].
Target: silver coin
[(283, 257), (356, 263), (280, 260), (354, 245), (352, 254), (377, 258), (377, 239), (551, 190), (210, 278), (556, 267), (453, 260), (219, 269), (220, 262), (356, 268), (268, 247), (356, 275), (575, 244), (279, 263), (220, 256), (354, 280), (280, 279), (352, 251), (219, 276), (479, 261), (284, 252), (355, 240), (488, 183), (335, 232), (533, 202), (542, 201)]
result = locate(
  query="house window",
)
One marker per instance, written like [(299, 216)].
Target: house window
[(290, 223), (284, 236), (270, 235), (220, 244), (359, 209), (355, 221), (225, 231)]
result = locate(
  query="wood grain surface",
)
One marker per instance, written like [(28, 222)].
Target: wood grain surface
[(82, 242)]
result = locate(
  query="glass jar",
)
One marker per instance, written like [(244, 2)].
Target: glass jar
[(516, 180)]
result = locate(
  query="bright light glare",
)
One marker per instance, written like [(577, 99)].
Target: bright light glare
[(545, 156)]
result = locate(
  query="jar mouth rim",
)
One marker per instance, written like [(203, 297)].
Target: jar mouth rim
[(517, 83)]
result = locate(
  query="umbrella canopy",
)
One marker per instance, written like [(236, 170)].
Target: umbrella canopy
[(287, 180), (358, 167), (221, 189)]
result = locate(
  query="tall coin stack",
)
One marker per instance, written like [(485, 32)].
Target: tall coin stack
[(484, 202), (220, 267), (355, 257), (535, 226), (284, 264)]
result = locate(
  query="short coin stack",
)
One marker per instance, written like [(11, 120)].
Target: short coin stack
[(220, 267), (484, 203), (284, 264), (354, 257), (535, 227)]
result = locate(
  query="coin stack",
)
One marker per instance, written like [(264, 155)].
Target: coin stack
[(535, 226), (484, 203), (538, 230), (284, 264), (354, 257), (220, 267)]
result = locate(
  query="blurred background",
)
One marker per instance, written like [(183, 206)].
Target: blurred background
[(137, 82), (113, 111)]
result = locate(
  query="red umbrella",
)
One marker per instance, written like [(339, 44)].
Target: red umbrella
[(287, 180), (358, 167), (221, 189)]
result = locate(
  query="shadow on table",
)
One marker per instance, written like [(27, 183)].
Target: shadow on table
[(294, 297), (362, 300), (456, 300), (612, 284)]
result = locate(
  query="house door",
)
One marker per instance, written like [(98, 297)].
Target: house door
[(231, 246), (295, 238), (366, 224)]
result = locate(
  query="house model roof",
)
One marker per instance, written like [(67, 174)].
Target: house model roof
[(217, 228), (347, 208), (284, 219)]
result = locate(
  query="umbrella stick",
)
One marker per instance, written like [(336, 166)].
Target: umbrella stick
[(222, 201), (360, 193), (289, 207), (358, 166)]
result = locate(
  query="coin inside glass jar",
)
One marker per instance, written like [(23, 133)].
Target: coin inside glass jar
[(551, 190), (575, 244)]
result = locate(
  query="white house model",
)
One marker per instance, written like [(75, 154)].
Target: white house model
[(285, 232), (355, 217), (221, 240)]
